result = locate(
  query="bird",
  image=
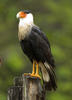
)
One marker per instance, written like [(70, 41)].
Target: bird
[(36, 47)]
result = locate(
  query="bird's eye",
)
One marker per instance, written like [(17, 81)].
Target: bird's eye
[(22, 14)]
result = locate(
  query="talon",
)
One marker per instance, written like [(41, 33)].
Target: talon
[(35, 75), (32, 75), (38, 76), (27, 74)]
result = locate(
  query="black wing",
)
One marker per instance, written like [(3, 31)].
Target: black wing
[(43, 43), (39, 32)]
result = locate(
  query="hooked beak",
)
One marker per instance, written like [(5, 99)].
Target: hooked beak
[(21, 15)]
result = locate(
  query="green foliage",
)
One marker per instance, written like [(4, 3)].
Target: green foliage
[(55, 18), (3, 96), (14, 61)]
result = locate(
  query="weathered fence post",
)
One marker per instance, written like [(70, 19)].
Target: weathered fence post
[(26, 88)]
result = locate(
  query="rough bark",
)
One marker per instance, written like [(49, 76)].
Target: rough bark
[(26, 88)]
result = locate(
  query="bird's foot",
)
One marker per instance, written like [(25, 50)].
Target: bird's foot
[(27, 74), (38, 76), (32, 75), (35, 75)]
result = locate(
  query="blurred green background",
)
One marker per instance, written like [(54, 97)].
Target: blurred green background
[(55, 18)]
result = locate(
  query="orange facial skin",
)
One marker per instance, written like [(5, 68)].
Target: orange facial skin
[(22, 15)]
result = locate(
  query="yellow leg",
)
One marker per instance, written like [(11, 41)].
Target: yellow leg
[(37, 71), (33, 72)]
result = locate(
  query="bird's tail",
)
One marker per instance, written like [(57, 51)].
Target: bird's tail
[(48, 75)]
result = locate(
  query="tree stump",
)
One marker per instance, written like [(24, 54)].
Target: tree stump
[(26, 88)]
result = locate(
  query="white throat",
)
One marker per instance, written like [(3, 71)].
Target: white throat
[(25, 25), (26, 21)]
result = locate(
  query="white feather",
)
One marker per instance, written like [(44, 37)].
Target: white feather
[(28, 20), (25, 25), (45, 74), (47, 65)]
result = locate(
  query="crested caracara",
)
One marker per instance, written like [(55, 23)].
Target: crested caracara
[(36, 46)]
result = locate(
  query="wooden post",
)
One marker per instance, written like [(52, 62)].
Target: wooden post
[(26, 88)]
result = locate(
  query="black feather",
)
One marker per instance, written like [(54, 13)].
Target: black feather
[(51, 85), (26, 11), (36, 30)]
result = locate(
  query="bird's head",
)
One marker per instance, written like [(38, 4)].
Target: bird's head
[(25, 16)]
